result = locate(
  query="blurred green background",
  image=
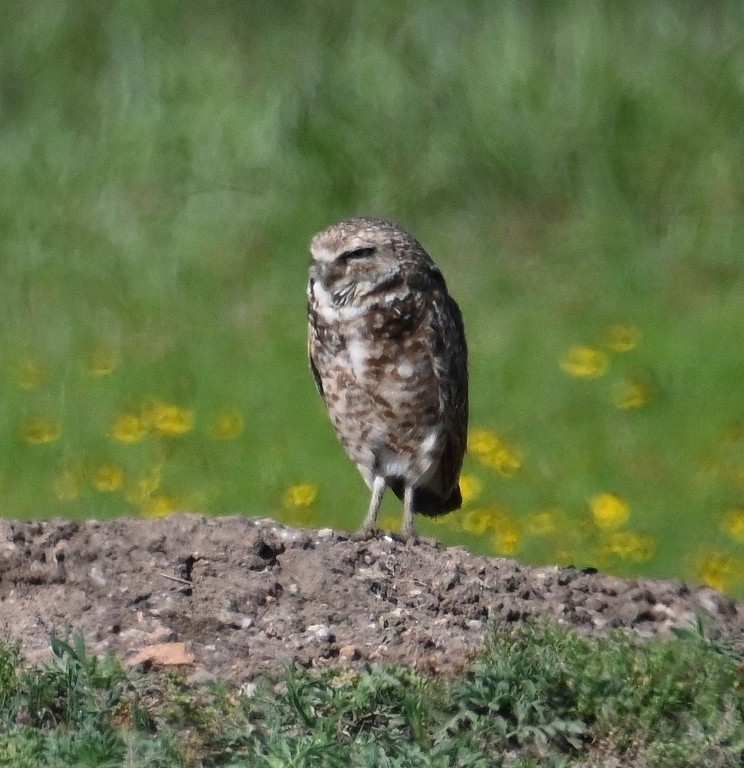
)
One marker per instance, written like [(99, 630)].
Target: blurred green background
[(575, 168)]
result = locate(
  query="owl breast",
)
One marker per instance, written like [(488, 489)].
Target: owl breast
[(374, 362)]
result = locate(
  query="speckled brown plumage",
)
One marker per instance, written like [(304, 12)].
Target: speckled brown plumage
[(387, 349)]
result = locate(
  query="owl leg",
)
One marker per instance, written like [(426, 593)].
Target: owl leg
[(409, 529), (378, 491)]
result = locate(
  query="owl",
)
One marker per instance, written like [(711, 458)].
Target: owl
[(387, 349)]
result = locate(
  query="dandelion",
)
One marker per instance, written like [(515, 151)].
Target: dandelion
[(143, 488), (108, 478), (129, 428), (622, 337), (476, 521), (584, 362), (493, 452), (302, 495), (630, 394), (506, 461), (169, 420), (470, 488), (482, 519), (506, 540), (102, 361), (227, 424), (631, 546), (482, 442), (733, 523), (66, 484), (40, 430), (543, 522), (719, 571), (162, 505), (609, 511), (29, 373)]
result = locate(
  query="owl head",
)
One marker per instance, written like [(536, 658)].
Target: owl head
[(358, 257)]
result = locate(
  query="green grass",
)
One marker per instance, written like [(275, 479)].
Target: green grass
[(571, 167), (538, 695)]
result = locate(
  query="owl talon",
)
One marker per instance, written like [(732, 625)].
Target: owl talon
[(365, 534), (408, 537)]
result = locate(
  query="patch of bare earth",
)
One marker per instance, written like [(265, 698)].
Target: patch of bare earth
[(230, 598)]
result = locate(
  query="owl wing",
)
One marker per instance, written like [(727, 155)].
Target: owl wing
[(311, 358), (450, 366), (313, 346)]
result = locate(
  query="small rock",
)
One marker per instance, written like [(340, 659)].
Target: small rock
[(247, 690), (201, 676), (233, 619), (325, 533), (163, 655), (321, 631), (349, 653), (96, 575), (161, 635)]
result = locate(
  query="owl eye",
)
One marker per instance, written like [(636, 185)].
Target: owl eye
[(356, 253)]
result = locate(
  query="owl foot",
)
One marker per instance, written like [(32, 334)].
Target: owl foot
[(365, 533), (407, 536)]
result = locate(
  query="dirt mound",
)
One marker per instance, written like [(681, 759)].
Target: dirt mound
[(243, 596)]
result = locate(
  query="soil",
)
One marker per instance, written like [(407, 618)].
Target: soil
[(231, 598)]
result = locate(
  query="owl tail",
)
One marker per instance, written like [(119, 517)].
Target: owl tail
[(430, 503)]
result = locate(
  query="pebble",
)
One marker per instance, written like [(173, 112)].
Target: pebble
[(200, 676), (96, 575), (349, 652), (321, 631)]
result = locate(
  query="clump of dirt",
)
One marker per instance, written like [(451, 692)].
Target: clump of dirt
[(236, 597)]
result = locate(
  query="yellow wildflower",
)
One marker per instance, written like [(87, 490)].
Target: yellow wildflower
[(162, 505), (733, 523), (483, 519), (29, 373), (470, 488), (227, 424), (584, 362), (477, 521), (66, 484), (481, 442), (102, 361), (129, 428), (39, 430), (144, 486), (169, 420), (302, 495), (544, 521), (622, 337), (719, 571), (505, 460), (631, 546), (630, 394), (107, 478), (506, 540), (609, 510), (491, 451)]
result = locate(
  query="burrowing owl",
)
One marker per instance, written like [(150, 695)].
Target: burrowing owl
[(387, 349)]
